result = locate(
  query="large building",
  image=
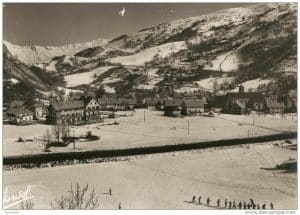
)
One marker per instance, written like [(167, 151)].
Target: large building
[(241, 102), (72, 112)]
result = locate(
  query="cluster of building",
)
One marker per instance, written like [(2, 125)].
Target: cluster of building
[(177, 107), (88, 109), (17, 112), (231, 103), (76, 112), (245, 102)]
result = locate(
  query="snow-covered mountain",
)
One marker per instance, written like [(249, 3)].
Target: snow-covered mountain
[(31, 55), (254, 45)]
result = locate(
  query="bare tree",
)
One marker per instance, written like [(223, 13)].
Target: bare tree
[(64, 130), (215, 86), (56, 130), (59, 131), (47, 140), (48, 136), (77, 198)]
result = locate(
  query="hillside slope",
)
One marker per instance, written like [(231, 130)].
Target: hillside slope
[(255, 45)]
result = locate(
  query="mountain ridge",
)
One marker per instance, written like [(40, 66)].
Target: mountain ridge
[(236, 45)]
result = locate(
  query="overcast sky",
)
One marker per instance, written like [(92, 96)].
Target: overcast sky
[(58, 24)]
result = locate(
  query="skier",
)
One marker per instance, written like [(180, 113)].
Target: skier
[(248, 206), (218, 203), (240, 205), (225, 203), (208, 201), (252, 202), (199, 200), (194, 198), (110, 191), (271, 206)]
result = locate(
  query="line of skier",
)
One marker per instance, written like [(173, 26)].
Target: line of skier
[(228, 204)]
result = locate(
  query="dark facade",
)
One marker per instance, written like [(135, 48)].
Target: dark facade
[(66, 113), (172, 107)]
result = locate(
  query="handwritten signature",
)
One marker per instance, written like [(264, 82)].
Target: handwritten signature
[(10, 200)]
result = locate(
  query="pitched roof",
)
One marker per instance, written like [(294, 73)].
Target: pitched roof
[(19, 110), (125, 101), (193, 103), (247, 95), (76, 104), (105, 100), (16, 103), (87, 100), (172, 103)]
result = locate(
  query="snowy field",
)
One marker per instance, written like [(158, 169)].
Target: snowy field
[(168, 181), (157, 129), (147, 55), (85, 77)]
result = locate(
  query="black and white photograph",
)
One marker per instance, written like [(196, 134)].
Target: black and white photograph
[(150, 106)]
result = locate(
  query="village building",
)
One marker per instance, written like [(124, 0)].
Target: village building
[(274, 107), (127, 104), (71, 112), (19, 115), (193, 107), (45, 102), (241, 102), (92, 111), (40, 111), (109, 103), (172, 107), (290, 101)]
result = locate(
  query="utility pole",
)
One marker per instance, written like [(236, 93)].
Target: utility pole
[(73, 140), (188, 127), (253, 119), (144, 115), (248, 133)]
